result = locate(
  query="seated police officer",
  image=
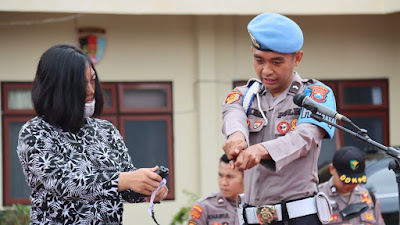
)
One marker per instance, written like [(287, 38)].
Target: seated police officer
[(219, 208), (351, 203)]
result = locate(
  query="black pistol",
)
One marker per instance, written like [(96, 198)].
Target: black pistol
[(162, 171)]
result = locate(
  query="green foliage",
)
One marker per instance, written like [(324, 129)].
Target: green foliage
[(182, 216), (17, 214)]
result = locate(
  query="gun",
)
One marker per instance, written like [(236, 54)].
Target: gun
[(162, 171)]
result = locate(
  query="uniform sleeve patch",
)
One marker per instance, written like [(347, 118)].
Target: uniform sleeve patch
[(232, 97), (318, 93), (195, 212), (191, 222), (323, 95)]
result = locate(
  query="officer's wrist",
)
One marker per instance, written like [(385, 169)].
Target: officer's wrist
[(264, 152)]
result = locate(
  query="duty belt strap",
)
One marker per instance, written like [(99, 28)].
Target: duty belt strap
[(295, 209)]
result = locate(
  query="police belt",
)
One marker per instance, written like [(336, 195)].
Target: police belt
[(267, 214)]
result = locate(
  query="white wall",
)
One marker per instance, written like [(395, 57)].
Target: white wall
[(208, 7), (202, 55)]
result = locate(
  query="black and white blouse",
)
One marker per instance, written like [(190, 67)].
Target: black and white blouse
[(74, 176)]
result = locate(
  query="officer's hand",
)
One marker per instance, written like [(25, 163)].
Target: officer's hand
[(234, 145), (143, 181), (251, 156)]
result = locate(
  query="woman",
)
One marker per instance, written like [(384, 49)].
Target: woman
[(78, 167)]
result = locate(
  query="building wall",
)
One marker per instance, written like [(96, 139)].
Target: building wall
[(205, 7), (202, 55)]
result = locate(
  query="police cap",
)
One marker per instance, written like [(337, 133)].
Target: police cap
[(274, 32)]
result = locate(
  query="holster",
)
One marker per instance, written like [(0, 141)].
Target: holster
[(240, 205), (324, 208), (353, 210)]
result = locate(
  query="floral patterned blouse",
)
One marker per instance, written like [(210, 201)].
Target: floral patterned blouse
[(74, 176)]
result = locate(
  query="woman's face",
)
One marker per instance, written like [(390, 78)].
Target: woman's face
[(90, 83)]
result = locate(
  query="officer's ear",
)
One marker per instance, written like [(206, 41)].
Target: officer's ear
[(332, 169), (297, 57)]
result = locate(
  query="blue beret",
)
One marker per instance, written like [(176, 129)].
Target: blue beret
[(274, 32)]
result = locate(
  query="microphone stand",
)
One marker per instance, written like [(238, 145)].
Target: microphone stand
[(363, 136)]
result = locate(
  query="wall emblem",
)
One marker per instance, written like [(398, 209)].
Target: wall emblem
[(92, 42)]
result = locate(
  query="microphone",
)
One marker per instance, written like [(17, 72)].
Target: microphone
[(304, 101)]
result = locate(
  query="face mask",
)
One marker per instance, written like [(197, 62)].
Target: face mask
[(89, 109)]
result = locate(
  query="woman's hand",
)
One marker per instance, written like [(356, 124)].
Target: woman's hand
[(161, 194), (144, 181)]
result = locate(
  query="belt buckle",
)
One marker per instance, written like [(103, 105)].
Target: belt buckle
[(266, 214)]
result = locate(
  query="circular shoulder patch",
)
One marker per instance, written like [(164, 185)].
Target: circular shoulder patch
[(232, 97)]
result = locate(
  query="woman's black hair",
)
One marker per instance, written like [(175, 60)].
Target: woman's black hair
[(59, 88)]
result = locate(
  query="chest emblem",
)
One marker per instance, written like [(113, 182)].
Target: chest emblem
[(365, 197), (293, 124), (257, 124), (318, 93), (335, 217), (232, 97), (369, 217), (283, 127)]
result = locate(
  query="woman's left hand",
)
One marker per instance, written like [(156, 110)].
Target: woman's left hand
[(161, 194)]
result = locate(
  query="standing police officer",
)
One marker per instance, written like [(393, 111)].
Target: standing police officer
[(276, 142), (219, 208), (351, 203)]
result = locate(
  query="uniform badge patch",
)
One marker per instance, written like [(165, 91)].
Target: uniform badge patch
[(354, 164), (257, 124), (318, 92), (293, 124), (283, 127), (191, 222), (254, 41), (369, 217), (232, 97), (248, 123), (335, 217), (365, 197), (196, 211)]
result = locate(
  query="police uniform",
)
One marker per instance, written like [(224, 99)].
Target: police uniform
[(372, 216), (358, 206), (213, 209), (291, 137)]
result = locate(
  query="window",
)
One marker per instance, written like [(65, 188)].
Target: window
[(142, 112), (365, 102)]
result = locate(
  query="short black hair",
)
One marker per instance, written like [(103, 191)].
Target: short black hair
[(224, 159), (59, 88)]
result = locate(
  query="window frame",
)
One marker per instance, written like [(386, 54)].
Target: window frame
[(6, 87), (170, 153), (360, 110), (167, 86), (6, 162)]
